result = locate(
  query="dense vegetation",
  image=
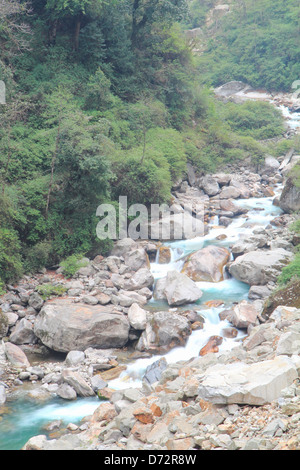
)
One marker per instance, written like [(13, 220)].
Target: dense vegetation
[(104, 99), (258, 42)]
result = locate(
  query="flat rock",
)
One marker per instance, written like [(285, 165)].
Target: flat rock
[(239, 383), (65, 326)]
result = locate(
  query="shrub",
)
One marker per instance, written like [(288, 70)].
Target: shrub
[(72, 264), (48, 290)]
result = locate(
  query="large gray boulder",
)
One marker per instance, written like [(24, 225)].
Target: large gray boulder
[(65, 326), (243, 384), (290, 197), (164, 329), (16, 356), (180, 289), (257, 268)]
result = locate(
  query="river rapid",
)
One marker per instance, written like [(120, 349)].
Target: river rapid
[(24, 420)]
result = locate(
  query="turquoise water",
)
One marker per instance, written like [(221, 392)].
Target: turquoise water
[(25, 419)]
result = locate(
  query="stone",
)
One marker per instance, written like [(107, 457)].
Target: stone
[(142, 278), (257, 268), (239, 383), (123, 246), (144, 415), (180, 289), (66, 392), (210, 185), (16, 356), (64, 326), (137, 317), (271, 166), (23, 333), (77, 382), (74, 358), (290, 197), (137, 259), (154, 371), (230, 192), (36, 443), (243, 315), (288, 344), (211, 346), (98, 383), (90, 300), (36, 301), (207, 265)]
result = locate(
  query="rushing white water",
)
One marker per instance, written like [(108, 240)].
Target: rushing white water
[(261, 212)]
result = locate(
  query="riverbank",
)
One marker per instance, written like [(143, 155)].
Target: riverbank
[(146, 328), (260, 222)]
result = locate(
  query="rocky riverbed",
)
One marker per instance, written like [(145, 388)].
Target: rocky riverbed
[(117, 311)]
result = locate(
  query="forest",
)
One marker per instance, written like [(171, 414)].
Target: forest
[(110, 98)]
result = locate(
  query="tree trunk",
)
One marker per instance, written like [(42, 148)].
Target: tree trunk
[(77, 33), (54, 157)]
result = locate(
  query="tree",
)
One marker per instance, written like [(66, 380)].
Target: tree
[(77, 10), (13, 29), (145, 12)]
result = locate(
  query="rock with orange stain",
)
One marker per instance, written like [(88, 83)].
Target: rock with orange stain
[(164, 256), (105, 412), (214, 303), (212, 346), (144, 415), (156, 410), (180, 444), (207, 264)]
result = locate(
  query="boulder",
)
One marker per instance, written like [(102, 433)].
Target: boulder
[(207, 265), (257, 268), (164, 330), (23, 333), (36, 301), (230, 192), (137, 317), (290, 197), (16, 356), (154, 371), (180, 289), (271, 166), (243, 315), (66, 392), (210, 185), (77, 382), (137, 259), (142, 278), (123, 246), (65, 326), (243, 384)]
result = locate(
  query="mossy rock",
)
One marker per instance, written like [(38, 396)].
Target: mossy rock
[(288, 296)]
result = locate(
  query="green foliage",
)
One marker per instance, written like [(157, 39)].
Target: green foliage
[(290, 272), (10, 259), (37, 256), (49, 290), (258, 43), (72, 264)]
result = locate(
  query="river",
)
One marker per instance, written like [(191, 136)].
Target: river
[(25, 419)]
